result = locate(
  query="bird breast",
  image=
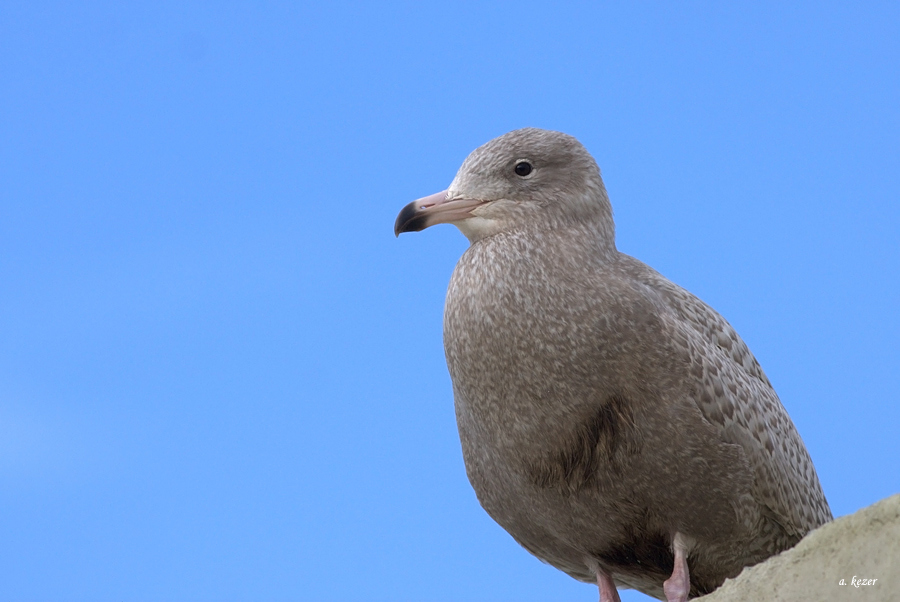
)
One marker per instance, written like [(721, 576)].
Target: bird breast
[(535, 348)]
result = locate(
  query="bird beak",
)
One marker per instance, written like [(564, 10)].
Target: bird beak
[(434, 209)]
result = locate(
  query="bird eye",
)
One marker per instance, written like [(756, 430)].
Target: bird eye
[(523, 168)]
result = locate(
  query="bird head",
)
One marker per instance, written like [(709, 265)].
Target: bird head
[(528, 178)]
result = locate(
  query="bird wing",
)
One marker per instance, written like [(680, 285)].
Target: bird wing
[(736, 397)]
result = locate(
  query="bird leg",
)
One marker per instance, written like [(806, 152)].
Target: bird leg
[(608, 592), (678, 586)]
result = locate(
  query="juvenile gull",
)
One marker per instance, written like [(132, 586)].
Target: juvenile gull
[(614, 424)]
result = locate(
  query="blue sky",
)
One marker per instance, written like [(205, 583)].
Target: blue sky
[(222, 377)]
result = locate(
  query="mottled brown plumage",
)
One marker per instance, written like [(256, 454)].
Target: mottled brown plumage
[(614, 424)]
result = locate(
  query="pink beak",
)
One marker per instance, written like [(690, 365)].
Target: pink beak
[(431, 210)]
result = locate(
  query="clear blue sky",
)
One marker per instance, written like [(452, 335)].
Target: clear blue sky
[(222, 377)]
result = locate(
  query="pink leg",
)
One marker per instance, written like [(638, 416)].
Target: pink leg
[(678, 586), (608, 592), (607, 586)]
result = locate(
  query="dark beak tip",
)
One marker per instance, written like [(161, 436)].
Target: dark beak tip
[(409, 220)]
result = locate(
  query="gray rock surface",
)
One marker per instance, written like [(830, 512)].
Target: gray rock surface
[(863, 547)]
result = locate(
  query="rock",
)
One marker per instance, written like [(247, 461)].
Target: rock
[(856, 557)]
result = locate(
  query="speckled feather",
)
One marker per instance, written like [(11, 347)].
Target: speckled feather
[(602, 408)]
